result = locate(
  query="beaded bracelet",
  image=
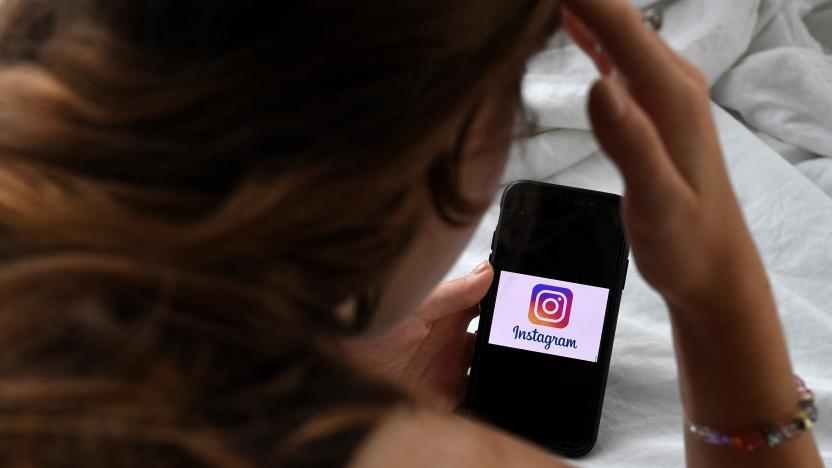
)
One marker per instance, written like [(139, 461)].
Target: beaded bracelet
[(769, 435)]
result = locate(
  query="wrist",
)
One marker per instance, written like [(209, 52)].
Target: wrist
[(733, 359), (732, 286)]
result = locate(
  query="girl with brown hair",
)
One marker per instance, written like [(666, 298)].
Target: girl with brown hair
[(217, 217)]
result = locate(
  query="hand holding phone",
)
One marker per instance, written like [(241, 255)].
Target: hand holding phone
[(429, 353)]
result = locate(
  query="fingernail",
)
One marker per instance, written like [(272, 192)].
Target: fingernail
[(480, 268)]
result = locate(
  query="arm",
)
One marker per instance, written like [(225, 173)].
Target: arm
[(688, 235)]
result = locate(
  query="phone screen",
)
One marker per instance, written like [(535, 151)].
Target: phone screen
[(547, 325)]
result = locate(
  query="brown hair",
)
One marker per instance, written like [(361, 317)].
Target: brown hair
[(179, 179)]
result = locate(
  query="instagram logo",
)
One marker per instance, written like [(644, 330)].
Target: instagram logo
[(550, 306)]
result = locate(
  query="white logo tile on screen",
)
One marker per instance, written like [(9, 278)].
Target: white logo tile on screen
[(549, 316)]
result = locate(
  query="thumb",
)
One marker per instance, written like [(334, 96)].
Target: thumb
[(458, 295)]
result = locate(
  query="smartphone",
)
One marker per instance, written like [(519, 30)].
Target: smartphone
[(546, 327)]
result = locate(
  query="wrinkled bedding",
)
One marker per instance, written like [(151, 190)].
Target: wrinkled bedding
[(770, 67)]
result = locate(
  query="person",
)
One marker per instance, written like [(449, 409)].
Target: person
[(218, 218)]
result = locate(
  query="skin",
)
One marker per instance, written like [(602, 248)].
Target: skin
[(650, 112)]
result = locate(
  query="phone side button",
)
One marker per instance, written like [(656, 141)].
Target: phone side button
[(493, 239)]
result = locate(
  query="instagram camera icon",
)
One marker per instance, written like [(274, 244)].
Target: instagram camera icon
[(550, 306)]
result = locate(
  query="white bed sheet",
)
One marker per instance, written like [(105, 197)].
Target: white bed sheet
[(788, 208)]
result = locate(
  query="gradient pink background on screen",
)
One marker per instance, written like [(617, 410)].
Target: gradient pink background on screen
[(586, 321)]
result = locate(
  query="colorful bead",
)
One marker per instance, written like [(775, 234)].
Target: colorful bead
[(773, 437), (790, 430), (754, 440), (770, 435), (712, 438), (812, 412)]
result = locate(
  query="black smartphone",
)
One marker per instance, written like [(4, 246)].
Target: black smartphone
[(546, 327)]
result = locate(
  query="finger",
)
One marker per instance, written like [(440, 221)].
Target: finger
[(672, 92), (636, 50), (459, 295), (631, 140), (586, 41)]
